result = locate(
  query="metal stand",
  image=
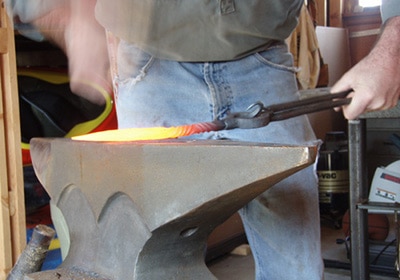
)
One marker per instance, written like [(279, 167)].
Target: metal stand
[(359, 192)]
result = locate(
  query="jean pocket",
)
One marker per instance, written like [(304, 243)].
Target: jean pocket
[(133, 63), (277, 57)]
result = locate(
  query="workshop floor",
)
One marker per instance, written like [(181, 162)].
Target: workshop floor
[(241, 267)]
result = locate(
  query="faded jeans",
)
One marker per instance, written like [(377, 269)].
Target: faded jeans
[(282, 225)]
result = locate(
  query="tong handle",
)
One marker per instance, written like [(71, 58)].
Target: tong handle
[(258, 116), (309, 105), (307, 101)]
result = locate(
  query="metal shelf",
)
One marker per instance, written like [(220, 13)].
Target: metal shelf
[(379, 206)]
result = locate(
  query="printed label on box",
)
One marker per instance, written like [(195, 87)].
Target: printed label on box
[(385, 194)]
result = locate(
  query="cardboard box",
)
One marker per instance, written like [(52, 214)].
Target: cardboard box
[(385, 186)]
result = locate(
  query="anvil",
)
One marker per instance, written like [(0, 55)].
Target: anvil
[(144, 209)]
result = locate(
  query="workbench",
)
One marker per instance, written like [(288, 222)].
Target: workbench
[(359, 191)]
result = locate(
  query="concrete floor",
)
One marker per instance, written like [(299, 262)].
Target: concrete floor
[(239, 267), (242, 268), (233, 267)]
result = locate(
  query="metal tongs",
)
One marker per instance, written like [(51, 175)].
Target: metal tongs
[(257, 115)]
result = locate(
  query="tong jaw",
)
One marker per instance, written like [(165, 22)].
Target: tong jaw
[(256, 115)]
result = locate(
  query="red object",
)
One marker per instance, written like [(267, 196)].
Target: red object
[(108, 124), (60, 76), (378, 226), (39, 216)]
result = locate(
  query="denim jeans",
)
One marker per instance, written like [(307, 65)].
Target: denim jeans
[(282, 225)]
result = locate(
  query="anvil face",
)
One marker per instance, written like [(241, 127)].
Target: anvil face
[(144, 210)]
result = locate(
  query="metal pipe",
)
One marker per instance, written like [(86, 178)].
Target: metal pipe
[(358, 193), (33, 256)]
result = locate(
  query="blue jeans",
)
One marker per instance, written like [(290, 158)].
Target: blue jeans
[(282, 225)]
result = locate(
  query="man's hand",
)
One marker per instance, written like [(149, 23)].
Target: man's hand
[(375, 80), (75, 30)]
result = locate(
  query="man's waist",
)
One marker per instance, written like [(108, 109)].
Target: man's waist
[(211, 52)]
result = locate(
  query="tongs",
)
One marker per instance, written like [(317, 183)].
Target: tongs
[(257, 115)]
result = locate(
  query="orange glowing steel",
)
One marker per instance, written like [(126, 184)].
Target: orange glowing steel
[(151, 133)]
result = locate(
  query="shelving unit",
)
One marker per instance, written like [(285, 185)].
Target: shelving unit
[(359, 191)]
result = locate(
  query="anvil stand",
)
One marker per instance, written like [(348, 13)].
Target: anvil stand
[(144, 210)]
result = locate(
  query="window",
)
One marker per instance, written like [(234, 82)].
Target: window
[(369, 3)]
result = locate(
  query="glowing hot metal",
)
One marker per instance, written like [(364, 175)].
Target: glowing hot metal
[(149, 133)]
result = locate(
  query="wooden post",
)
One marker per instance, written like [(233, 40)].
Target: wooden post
[(322, 12), (335, 13), (12, 206)]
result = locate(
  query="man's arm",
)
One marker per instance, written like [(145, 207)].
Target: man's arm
[(376, 78), (71, 25)]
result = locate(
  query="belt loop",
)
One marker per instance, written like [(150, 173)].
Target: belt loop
[(227, 6)]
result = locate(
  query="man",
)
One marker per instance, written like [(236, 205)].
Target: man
[(182, 62)]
